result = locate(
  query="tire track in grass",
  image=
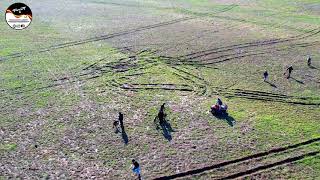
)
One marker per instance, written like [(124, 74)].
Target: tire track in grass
[(105, 37), (123, 66), (229, 7), (248, 158), (170, 87), (231, 56), (268, 166), (199, 82), (275, 25), (97, 69), (200, 86), (94, 39), (243, 93), (267, 42), (235, 47), (255, 53), (266, 96)]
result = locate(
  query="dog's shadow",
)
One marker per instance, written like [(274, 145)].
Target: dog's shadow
[(123, 134)]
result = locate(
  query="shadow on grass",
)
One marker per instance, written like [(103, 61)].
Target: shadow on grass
[(229, 119), (125, 137), (298, 81), (166, 129), (313, 67), (271, 84)]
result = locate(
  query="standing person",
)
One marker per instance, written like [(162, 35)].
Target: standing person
[(161, 114), (162, 107), (265, 76), (289, 69), (136, 168), (309, 61), (161, 117), (121, 121)]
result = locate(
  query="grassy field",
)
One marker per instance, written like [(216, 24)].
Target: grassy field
[(64, 79)]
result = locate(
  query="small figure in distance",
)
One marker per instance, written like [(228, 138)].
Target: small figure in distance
[(309, 61), (121, 121), (136, 168), (289, 70), (265, 76)]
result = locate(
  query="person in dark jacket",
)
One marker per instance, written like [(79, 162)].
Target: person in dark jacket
[(265, 76), (289, 70), (219, 102), (121, 121), (161, 114), (309, 61)]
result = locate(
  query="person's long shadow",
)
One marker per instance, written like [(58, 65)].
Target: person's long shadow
[(313, 67), (229, 119), (124, 137), (298, 81), (166, 129), (271, 84)]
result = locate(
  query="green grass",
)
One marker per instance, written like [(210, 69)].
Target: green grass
[(7, 147), (313, 162), (73, 120)]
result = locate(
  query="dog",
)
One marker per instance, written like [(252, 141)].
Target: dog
[(116, 126)]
